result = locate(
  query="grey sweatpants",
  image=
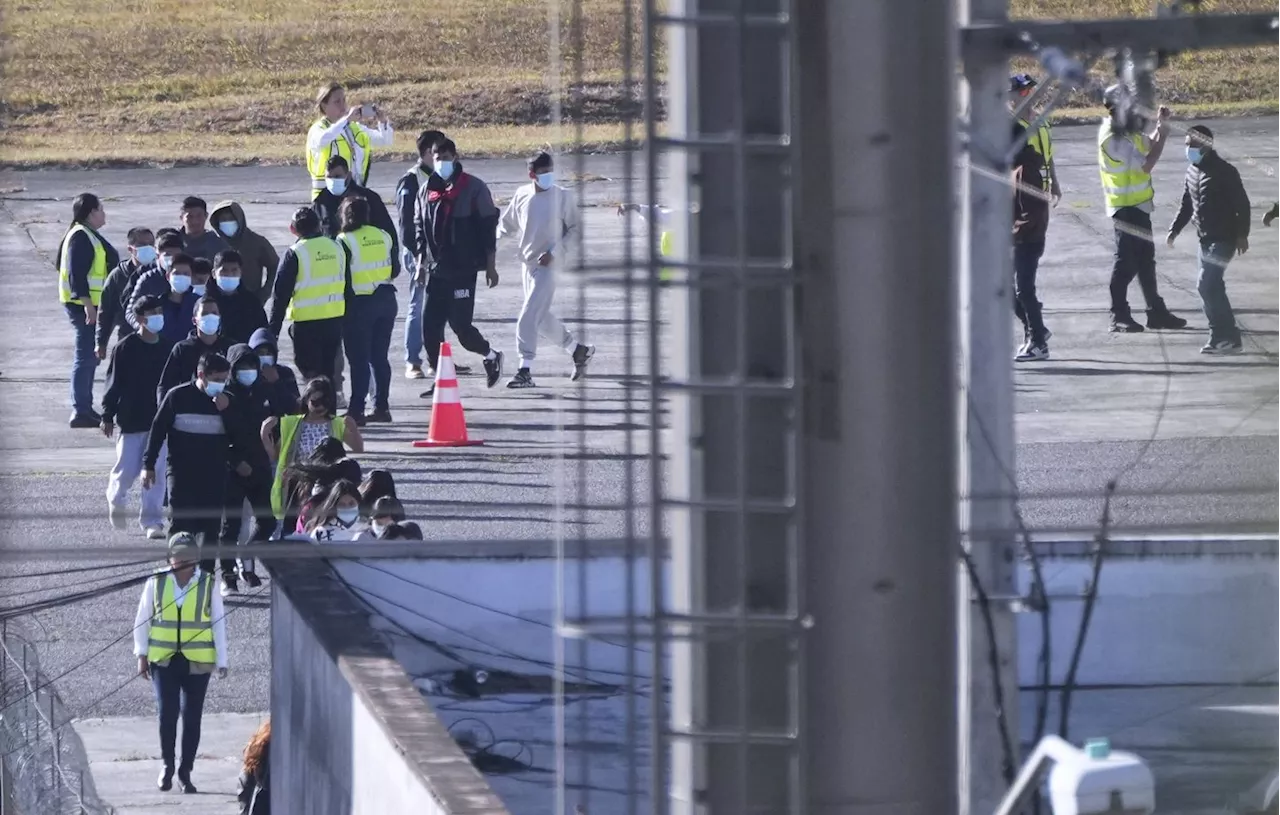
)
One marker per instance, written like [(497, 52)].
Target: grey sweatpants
[(536, 319)]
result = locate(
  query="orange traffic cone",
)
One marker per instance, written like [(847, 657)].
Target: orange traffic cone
[(448, 425)]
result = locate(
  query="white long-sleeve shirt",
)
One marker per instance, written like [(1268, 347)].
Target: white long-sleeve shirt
[(539, 219), (146, 606), (319, 137)]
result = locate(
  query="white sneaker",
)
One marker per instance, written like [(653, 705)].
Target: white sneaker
[(116, 514), (342, 401), (155, 533), (412, 371)]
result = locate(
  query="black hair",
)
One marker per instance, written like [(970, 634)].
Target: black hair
[(306, 222), (203, 304), (319, 387), (247, 361), (329, 451), (201, 266), (227, 256), (354, 213), (410, 531), (540, 161), (342, 488), (134, 236), (1205, 134), (212, 364), (387, 506), (427, 139), (145, 303), (377, 486), (445, 146), (337, 163), (86, 204), (183, 259), (169, 240), (193, 202)]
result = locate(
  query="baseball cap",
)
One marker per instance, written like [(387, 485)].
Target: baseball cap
[(182, 543), (1021, 82)]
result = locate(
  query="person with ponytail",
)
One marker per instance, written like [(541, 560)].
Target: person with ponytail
[(84, 258)]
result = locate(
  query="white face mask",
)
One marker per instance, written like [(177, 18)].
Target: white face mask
[(348, 516), (379, 528)]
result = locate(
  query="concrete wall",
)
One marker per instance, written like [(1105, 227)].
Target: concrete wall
[(350, 733)]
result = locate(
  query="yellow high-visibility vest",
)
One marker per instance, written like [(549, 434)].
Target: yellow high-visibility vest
[(320, 293), (370, 258), (353, 135), (1042, 142), (97, 272), (186, 630), (1123, 184), (288, 432), (664, 247)]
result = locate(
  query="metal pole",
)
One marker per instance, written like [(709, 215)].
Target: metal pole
[(874, 239), (56, 747), (987, 416)]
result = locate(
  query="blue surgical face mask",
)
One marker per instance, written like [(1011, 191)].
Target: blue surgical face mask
[(337, 186), (180, 283), (214, 388), (164, 262), (199, 289), (246, 378), (545, 180), (267, 359), (229, 228), (1194, 154), (146, 254), (209, 323), (228, 284), (444, 169), (155, 322), (348, 516)]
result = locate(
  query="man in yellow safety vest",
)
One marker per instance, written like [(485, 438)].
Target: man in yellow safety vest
[(339, 133), (1020, 87), (180, 639), (1126, 158), (312, 288)]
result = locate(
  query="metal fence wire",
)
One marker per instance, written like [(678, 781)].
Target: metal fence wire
[(46, 770)]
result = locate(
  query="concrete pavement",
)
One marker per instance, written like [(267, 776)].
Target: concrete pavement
[(1204, 429)]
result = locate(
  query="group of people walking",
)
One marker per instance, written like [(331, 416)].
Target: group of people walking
[(1213, 196)]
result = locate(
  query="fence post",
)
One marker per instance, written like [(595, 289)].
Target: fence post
[(57, 748)]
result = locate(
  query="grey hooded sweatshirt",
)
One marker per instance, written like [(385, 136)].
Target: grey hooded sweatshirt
[(258, 257)]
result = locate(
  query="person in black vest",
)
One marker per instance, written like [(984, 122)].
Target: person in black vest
[(205, 338)]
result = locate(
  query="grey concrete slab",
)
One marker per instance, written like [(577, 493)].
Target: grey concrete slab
[(125, 760)]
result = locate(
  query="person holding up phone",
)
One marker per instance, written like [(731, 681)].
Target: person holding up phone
[(338, 132)]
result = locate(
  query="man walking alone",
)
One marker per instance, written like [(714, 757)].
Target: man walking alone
[(1214, 196), (1126, 158)]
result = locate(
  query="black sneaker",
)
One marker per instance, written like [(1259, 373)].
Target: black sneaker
[(165, 781), (379, 416), (251, 579), (581, 356), (1032, 353), (461, 370), (493, 369), (1164, 320), (184, 778), (1125, 325), (84, 421), (230, 585), (522, 379), (429, 392)]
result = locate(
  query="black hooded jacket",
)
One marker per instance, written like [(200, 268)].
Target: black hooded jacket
[(245, 422), (111, 312), (185, 357), (200, 447), (281, 396), (241, 310)]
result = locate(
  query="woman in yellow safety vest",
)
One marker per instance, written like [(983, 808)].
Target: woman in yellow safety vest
[(371, 314), (84, 259), (301, 433), (336, 133)]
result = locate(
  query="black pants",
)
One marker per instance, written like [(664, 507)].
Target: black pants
[(450, 301), (256, 489), (366, 334), (1135, 257), (179, 693), (197, 501), (1026, 262), (316, 345)]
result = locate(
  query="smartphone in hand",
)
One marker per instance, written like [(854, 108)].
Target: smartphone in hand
[(368, 111)]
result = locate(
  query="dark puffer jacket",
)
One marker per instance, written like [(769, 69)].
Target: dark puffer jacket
[(1214, 196)]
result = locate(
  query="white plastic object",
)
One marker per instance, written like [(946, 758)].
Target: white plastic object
[(1097, 781), (1092, 781)]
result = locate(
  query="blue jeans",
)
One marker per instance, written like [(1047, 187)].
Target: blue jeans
[(366, 335), (1214, 257), (413, 324), (84, 363), (1026, 262), (179, 693)]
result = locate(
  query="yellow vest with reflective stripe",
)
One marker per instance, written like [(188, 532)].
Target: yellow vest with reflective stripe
[(1123, 185), (664, 247), (320, 293), (97, 272), (1042, 142), (188, 629), (370, 258), (288, 431), (353, 135)]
